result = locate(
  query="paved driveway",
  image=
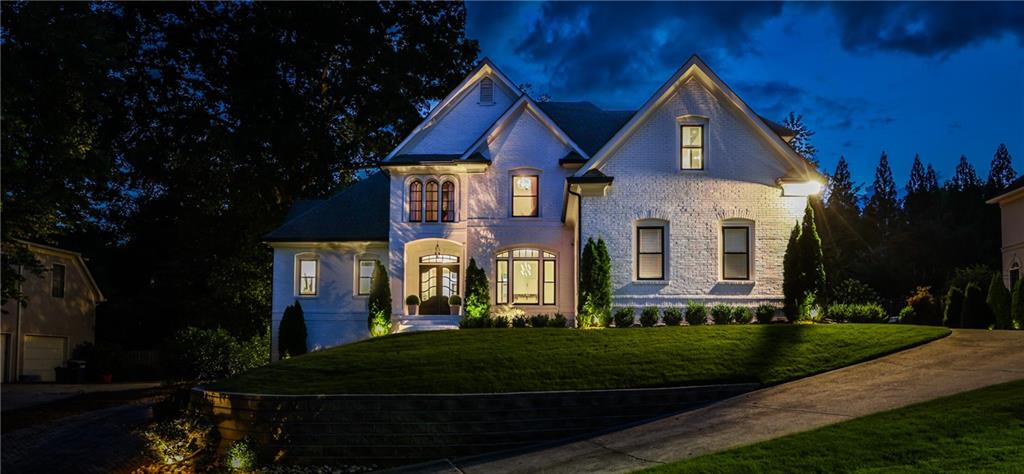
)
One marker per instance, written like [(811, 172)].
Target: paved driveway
[(14, 396), (966, 360)]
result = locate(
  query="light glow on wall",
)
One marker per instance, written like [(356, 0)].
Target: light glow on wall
[(800, 188)]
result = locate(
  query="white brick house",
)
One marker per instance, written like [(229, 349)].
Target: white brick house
[(694, 194)]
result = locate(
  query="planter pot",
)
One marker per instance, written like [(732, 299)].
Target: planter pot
[(412, 309), (454, 309)]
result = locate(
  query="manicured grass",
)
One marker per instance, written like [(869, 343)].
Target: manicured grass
[(508, 360), (978, 431)]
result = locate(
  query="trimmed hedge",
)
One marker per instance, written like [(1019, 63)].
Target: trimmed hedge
[(857, 313)]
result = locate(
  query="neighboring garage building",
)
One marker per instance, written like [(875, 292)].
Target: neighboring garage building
[(59, 314), (1011, 207)]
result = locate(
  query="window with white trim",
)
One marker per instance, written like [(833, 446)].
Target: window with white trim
[(691, 142), (524, 196), (526, 276), (735, 252), (366, 267), (650, 252), (308, 275), (57, 282)]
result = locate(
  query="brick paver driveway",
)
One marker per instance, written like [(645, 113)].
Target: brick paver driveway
[(966, 360)]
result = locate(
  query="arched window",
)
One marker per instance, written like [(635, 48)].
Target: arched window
[(1014, 273), (431, 203), (486, 91), (525, 276), (415, 201), (448, 201)]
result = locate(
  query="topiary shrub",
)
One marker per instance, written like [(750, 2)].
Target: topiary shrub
[(857, 313), (976, 313), (539, 320), (998, 301), (696, 313), (742, 315), (672, 316), (624, 317), (765, 312), (953, 307), (379, 305), (649, 316), (412, 300), (721, 314), (921, 308), (291, 333), (455, 300), (520, 321), (478, 297), (558, 321), (1017, 304)]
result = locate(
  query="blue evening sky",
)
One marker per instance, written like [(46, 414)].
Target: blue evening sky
[(939, 79)]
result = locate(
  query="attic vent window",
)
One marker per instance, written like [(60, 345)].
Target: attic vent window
[(486, 91)]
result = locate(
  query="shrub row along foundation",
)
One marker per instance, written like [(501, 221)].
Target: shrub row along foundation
[(389, 430)]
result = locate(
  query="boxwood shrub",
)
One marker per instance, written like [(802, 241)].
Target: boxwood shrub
[(624, 317), (857, 313), (557, 321), (721, 314), (696, 313), (649, 316), (469, 322), (501, 322), (672, 316), (520, 321), (539, 320), (742, 315)]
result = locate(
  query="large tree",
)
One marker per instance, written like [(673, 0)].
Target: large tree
[(882, 209), (841, 223), (1001, 172), (801, 141)]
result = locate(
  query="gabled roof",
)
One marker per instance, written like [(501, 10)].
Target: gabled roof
[(357, 213), (72, 255), (524, 102), (696, 67), (1016, 188), (588, 125)]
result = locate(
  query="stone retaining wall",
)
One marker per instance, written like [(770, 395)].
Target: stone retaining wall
[(389, 430)]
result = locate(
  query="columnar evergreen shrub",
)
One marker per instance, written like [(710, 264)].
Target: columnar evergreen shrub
[(624, 317), (953, 307), (672, 316), (791, 279), (595, 287), (1017, 304), (998, 300), (812, 260), (558, 321), (857, 313), (696, 313), (742, 315), (649, 316), (721, 314), (478, 298), (921, 308), (975, 313), (765, 312), (291, 333), (379, 305)]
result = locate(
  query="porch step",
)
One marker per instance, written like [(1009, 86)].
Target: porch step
[(428, 322)]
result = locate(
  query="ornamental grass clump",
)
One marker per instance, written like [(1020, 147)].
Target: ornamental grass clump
[(696, 313), (649, 316), (624, 317), (672, 316), (721, 314)]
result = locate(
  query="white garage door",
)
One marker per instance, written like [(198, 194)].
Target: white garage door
[(42, 355)]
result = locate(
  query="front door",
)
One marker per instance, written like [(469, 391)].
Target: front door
[(437, 283)]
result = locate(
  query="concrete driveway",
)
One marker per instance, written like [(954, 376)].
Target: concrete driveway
[(966, 360), (15, 396)]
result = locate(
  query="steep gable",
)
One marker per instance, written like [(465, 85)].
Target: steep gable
[(588, 125)]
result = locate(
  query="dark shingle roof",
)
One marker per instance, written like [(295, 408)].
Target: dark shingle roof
[(589, 126), (357, 213), (422, 158), (1013, 186)]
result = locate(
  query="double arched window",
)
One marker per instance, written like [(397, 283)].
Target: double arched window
[(437, 203)]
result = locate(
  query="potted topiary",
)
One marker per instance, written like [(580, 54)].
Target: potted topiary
[(412, 304), (454, 304)]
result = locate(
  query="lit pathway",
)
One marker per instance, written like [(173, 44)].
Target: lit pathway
[(966, 360)]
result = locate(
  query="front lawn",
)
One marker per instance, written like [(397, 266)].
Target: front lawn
[(509, 360), (978, 431)]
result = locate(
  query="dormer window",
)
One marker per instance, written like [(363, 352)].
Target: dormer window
[(487, 91)]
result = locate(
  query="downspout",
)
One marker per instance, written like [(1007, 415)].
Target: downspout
[(579, 248)]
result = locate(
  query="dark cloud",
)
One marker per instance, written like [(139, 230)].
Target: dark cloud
[(615, 47), (776, 99), (926, 29)]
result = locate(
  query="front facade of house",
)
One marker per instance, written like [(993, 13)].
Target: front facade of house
[(694, 194), (1011, 210)]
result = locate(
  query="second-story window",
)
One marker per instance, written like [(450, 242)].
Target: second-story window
[(691, 140), (448, 201), (309, 273), (431, 202), (415, 201), (524, 196), (57, 283)]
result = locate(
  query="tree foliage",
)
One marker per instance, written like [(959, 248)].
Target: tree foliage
[(801, 141), (791, 277), (478, 294), (998, 300), (812, 261), (379, 303), (975, 313), (953, 308), (595, 287)]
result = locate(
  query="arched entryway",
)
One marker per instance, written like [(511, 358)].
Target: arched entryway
[(433, 272)]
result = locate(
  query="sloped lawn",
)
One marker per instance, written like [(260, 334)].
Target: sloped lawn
[(977, 431), (509, 360)]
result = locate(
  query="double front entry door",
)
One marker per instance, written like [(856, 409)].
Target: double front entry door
[(437, 283)]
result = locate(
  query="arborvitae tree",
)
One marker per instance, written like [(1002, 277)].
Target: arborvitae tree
[(998, 300), (952, 308), (791, 278), (603, 283), (291, 334), (801, 141), (965, 178), (587, 278), (883, 205), (812, 261), (976, 313), (478, 296), (595, 283), (379, 305), (1017, 304), (1001, 173)]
